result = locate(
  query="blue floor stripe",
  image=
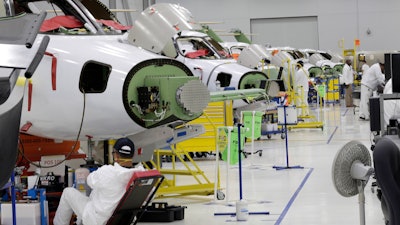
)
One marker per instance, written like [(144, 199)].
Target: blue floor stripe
[(284, 212), (345, 112), (333, 133)]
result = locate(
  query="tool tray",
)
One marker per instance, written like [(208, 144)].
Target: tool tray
[(162, 212)]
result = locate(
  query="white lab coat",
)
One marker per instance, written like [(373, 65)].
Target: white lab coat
[(391, 107), (373, 77), (347, 75), (369, 83), (301, 82), (108, 185), (348, 79)]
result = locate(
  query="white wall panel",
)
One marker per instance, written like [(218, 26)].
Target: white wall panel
[(339, 19), (297, 32)]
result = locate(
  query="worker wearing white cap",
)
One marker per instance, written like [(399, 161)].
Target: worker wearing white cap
[(108, 185), (371, 80)]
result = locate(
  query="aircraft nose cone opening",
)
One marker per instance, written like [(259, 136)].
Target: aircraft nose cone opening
[(253, 79), (162, 91), (193, 96)]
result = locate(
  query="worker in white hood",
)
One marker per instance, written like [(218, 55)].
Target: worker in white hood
[(371, 80), (108, 185), (301, 87), (364, 66)]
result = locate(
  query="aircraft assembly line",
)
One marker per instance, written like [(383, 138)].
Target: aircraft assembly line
[(72, 73)]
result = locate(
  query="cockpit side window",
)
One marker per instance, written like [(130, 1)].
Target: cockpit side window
[(222, 52), (94, 77), (185, 46), (224, 79)]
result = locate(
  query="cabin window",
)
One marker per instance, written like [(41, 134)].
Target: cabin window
[(94, 77), (224, 79)]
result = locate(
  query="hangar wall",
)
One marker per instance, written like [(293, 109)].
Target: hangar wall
[(339, 19), (300, 32)]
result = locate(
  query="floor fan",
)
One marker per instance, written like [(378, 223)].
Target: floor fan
[(351, 170)]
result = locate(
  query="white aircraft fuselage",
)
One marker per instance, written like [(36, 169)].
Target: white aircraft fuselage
[(97, 85), (65, 102)]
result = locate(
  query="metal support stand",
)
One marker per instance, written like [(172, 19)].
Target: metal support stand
[(90, 163), (43, 212), (13, 199), (240, 181), (361, 200), (240, 152), (287, 150)]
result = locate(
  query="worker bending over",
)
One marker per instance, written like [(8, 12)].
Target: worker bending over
[(108, 185), (370, 82), (391, 108)]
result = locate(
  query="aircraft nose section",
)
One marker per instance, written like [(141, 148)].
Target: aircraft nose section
[(161, 91), (253, 79)]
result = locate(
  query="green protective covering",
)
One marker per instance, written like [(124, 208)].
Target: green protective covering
[(251, 122), (240, 37), (321, 90), (211, 33), (337, 69), (234, 139), (272, 72), (252, 79), (315, 71)]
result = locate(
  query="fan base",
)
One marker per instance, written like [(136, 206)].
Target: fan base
[(287, 167)]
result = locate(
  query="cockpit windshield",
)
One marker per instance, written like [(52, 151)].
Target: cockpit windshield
[(222, 52), (202, 48), (73, 16)]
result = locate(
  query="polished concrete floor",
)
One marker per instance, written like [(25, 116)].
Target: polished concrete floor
[(289, 196)]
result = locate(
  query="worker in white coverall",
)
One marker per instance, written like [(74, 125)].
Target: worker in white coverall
[(301, 87), (108, 185), (364, 66), (391, 107), (371, 80)]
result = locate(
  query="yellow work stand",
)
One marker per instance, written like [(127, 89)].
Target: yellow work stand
[(199, 185), (217, 114), (306, 120)]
